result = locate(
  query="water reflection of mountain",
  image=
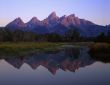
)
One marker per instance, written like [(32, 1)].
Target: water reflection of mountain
[(66, 59)]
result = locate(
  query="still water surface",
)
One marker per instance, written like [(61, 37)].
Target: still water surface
[(68, 66)]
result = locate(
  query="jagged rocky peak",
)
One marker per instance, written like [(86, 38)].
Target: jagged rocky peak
[(18, 20), (53, 16), (72, 15), (69, 20), (33, 23), (63, 17), (17, 23), (34, 19), (52, 20)]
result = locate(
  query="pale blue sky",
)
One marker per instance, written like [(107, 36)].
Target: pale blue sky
[(97, 11)]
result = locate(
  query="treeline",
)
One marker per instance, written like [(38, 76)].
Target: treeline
[(71, 35), (25, 36), (102, 38)]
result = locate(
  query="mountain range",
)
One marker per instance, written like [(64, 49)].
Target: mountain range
[(59, 25)]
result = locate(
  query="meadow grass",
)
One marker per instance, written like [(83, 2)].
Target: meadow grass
[(25, 47), (100, 48), (22, 48)]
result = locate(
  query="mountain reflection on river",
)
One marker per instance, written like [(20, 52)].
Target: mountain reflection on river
[(69, 66)]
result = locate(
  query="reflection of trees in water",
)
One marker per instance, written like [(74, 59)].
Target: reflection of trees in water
[(66, 59), (100, 54), (101, 57), (72, 53)]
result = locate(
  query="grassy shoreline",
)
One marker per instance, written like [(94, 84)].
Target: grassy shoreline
[(22, 48), (100, 50)]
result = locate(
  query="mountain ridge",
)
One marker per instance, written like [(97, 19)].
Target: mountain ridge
[(59, 25)]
